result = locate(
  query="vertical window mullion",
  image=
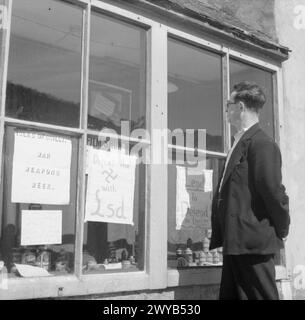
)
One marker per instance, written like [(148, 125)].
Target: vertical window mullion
[(83, 141), (226, 95), (3, 80), (4, 53), (276, 113), (157, 196)]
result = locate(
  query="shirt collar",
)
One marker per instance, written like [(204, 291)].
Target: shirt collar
[(242, 131)]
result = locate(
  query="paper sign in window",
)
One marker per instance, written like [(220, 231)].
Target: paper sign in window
[(193, 201), (41, 169), (110, 188), (41, 227)]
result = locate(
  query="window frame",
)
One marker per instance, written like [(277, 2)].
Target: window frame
[(155, 274)]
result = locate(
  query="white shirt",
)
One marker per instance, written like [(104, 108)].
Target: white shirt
[(237, 137)]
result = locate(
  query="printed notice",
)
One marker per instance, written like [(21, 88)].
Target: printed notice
[(110, 188), (193, 202), (41, 169), (41, 227)]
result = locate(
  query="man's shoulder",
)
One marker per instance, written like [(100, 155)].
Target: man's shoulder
[(261, 140)]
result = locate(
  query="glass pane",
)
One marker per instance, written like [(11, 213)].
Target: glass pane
[(44, 71), (190, 192), (114, 231), (195, 91), (243, 72), (3, 33), (37, 219), (117, 74)]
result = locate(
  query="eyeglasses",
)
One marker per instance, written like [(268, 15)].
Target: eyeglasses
[(230, 103)]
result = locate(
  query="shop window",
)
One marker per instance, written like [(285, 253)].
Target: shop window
[(44, 70), (194, 102), (195, 92), (39, 187), (115, 186), (117, 74), (115, 209), (240, 71)]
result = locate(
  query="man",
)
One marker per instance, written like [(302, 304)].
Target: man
[(250, 214)]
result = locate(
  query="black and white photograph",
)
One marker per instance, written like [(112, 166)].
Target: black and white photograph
[(152, 151)]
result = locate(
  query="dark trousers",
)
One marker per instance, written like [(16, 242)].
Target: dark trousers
[(248, 277)]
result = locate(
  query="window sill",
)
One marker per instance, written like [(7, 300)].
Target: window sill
[(194, 276), (70, 285), (206, 276)]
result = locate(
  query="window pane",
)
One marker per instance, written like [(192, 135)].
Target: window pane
[(44, 68), (117, 74), (195, 91), (190, 192), (243, 72), (3, 34), (115, 211), (34, 231)]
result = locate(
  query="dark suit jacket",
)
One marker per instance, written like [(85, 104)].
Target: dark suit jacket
[(250, 214)]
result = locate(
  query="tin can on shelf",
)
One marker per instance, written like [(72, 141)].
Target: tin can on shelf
[(43, 259), (188, 255), (216, 259), (202, 258), (28, 257), (206, 244), (16, 256), (209, 257)]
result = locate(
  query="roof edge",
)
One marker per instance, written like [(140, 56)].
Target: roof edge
[(270, 48)]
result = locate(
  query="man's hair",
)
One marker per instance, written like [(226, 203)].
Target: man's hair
[(251, 94)]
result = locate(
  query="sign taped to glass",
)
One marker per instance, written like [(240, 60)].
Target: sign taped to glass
[(41, 169), (111, 185)]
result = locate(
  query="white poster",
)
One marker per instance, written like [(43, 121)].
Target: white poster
[(41, 169), (193, 201), (41, 227), (110, 187)]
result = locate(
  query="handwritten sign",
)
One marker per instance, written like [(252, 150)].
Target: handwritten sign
[(110, 188), (41, 169), (193, 201), (41, 227)]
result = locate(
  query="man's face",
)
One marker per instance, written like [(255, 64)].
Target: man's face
[(234, 110)]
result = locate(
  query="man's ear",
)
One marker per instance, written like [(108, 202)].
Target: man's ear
[(241, 106)]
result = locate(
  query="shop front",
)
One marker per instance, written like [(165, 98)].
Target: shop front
[(96, 97)]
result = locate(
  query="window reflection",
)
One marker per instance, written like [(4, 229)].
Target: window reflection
[(117, 74), (243, 72), (195, 91), (44, 68)]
